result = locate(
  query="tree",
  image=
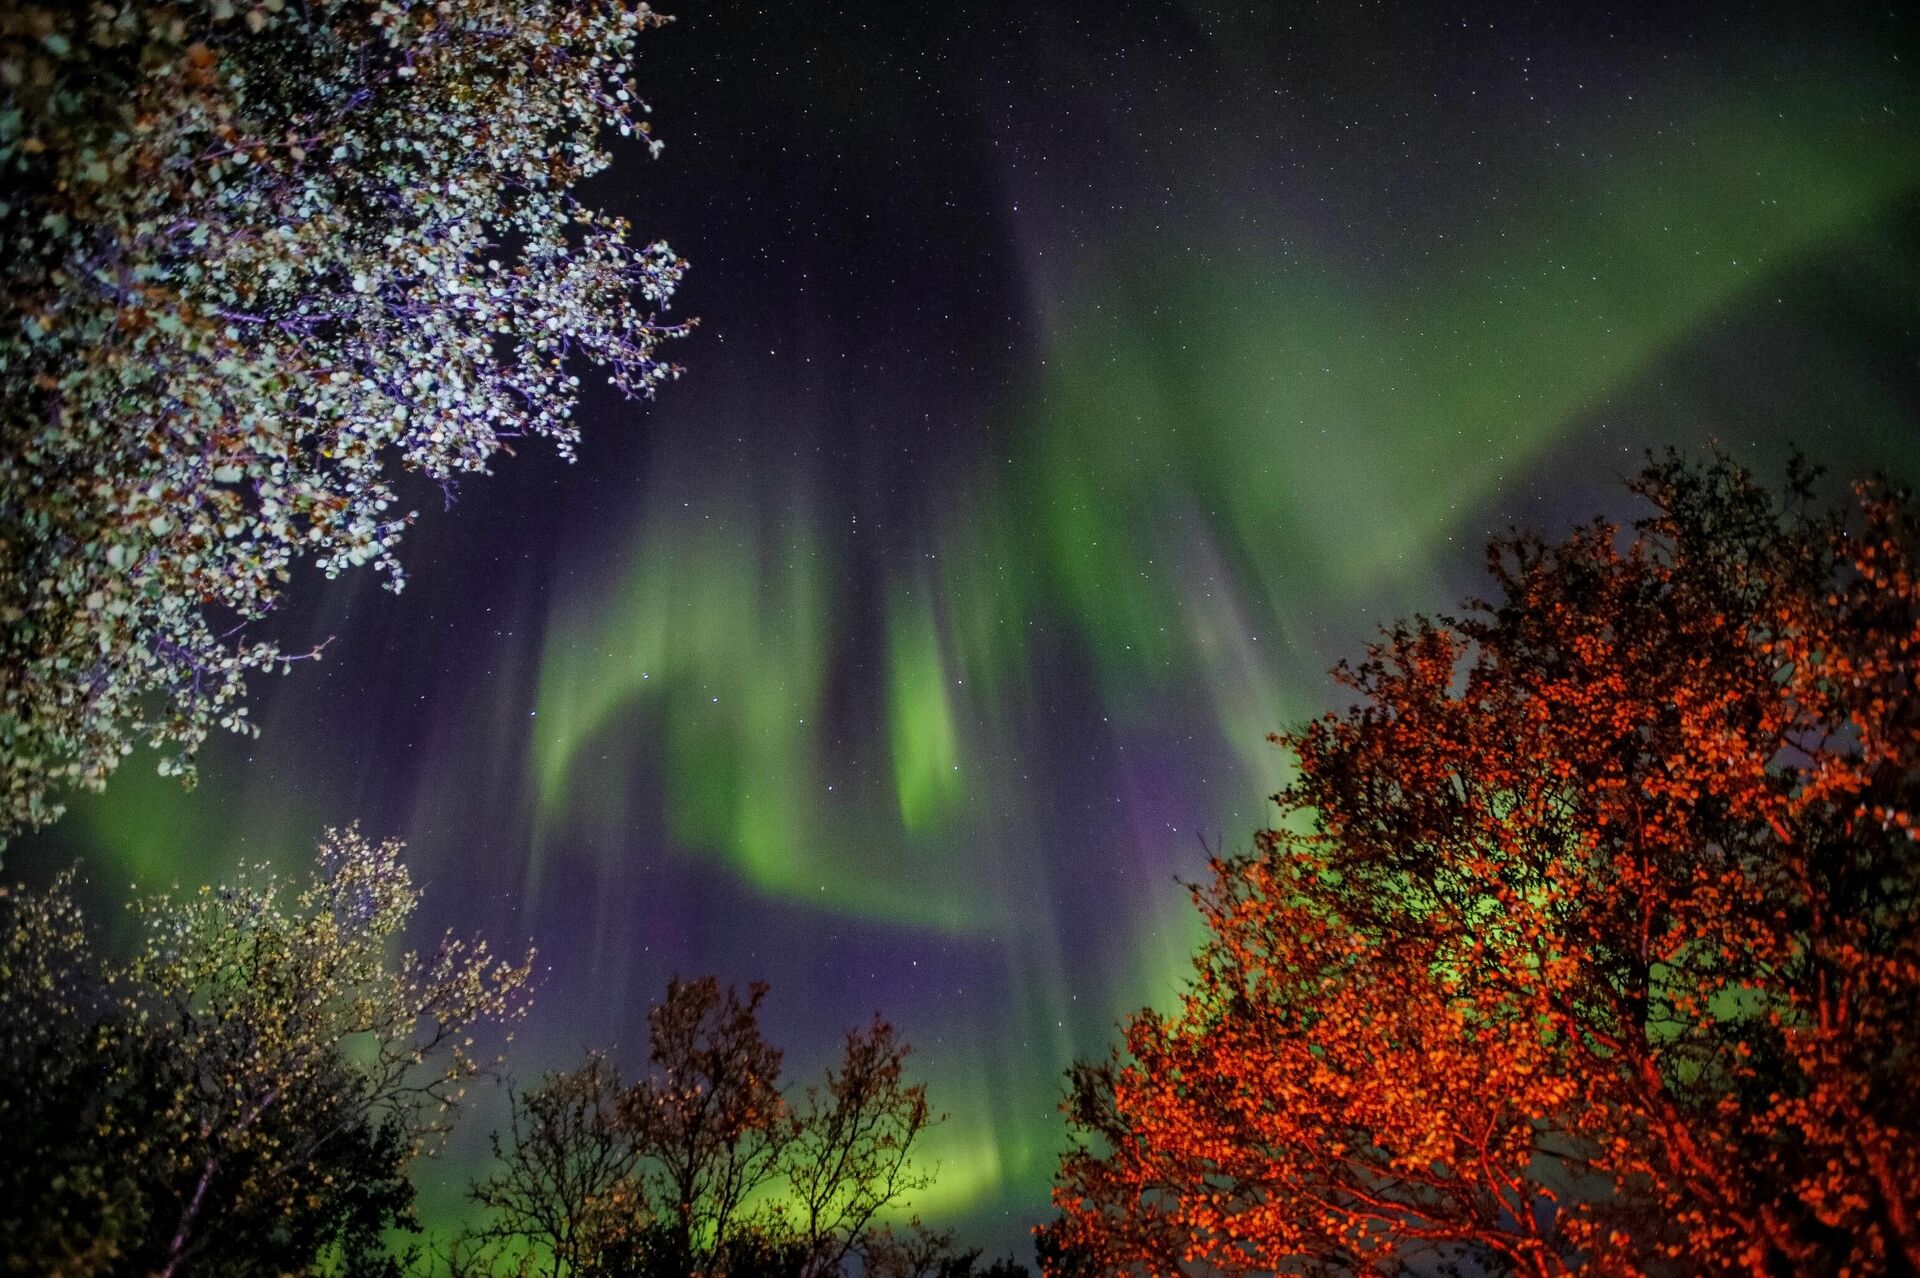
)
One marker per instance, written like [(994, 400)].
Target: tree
[(1058, 1256), (241, 1096), (73, 1196), (262, 258), (705, 1164), (1591, 942), (851, 1154), (708, 1118), (565, 1183)]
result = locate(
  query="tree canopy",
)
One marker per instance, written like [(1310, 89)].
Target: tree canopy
[(1590, 941), (242, 1094), (263, 258)]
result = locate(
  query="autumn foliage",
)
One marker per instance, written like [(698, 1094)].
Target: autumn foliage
[(1588, 942)]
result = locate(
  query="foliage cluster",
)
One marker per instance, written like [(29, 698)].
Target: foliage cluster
[(1593, 944), (242, 1094), (261, 259)]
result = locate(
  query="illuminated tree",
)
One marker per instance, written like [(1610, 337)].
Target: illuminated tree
[(261, 258), (242, 1095), (1591, 941)]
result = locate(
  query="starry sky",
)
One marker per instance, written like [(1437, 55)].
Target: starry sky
[(1075, 383)]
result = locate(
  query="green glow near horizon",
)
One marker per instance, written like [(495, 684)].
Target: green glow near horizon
[(154, 835)]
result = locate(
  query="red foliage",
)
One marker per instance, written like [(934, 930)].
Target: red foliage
[(1591, 944)]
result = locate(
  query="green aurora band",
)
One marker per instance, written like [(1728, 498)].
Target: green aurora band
[(1171, 512)]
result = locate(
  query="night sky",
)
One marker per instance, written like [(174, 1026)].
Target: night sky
[(1074, 385)]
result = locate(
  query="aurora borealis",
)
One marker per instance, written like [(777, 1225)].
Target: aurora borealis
[(1075, 384)]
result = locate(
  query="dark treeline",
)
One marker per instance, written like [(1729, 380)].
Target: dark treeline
[(705, 1164), (246, 1091)]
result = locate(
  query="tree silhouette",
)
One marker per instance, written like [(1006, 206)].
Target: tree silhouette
[(851, 1153), (1590, 941), (565, 1181), (705, 1164), (708, 1118), (919, 1252)]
